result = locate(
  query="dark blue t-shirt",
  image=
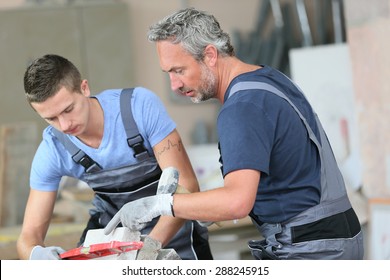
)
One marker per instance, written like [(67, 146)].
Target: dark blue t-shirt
[(260, 130)]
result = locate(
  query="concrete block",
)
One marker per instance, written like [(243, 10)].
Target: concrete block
[(150, 249), (168, 254)]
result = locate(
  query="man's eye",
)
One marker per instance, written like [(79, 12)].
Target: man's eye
[(51, 120)]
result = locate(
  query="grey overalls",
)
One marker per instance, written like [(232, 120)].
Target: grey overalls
[(115, 187), (329, 230)]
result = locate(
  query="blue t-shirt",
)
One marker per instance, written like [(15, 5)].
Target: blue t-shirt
[(261, 131), (52, 161)]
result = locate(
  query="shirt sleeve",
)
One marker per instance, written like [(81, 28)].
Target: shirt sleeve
[(151, 116), (45, 167), (246, 135)]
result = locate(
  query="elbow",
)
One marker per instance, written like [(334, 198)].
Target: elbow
[(239, 210)]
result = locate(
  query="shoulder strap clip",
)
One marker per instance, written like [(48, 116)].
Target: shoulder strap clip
[(134, 138)]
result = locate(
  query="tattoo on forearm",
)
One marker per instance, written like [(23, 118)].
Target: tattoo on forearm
[(169, 146)]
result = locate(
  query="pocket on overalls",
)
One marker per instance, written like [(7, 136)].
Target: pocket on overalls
[(259, 251)]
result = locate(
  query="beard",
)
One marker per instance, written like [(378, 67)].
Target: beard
[(207, 87)]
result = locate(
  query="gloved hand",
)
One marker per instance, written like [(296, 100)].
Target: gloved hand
[(168, 181), (136, 214), (46, 253)]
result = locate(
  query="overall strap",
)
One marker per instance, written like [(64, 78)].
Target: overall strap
[(264, 86), (134, 138), (78, 155)]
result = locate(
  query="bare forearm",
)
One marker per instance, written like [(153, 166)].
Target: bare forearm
[(214, 205), (165, 229), (24, 246), (37, 217), (232, 201), (23, 251)]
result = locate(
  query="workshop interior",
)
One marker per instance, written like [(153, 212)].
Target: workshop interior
[(335, 50)]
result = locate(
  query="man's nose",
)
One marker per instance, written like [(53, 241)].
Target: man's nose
[(64, 123), (176, 83)]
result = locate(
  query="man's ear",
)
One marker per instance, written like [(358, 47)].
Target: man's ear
[(210, 55), (85, 88)]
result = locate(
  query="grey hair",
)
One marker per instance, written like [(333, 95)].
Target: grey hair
[(194, 30), (46, 75)]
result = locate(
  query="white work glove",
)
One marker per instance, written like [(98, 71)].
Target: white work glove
[(46, 253), (136, 214), (168, 181), (169, 184)]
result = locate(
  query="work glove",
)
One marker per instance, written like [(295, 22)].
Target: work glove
[(136, 214), (46, 253), (169, 184), (168, 181)]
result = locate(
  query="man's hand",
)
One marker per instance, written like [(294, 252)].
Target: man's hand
[(136, 214), (168, 181), (46, 253)]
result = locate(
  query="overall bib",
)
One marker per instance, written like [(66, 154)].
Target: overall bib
[(329, 230), (115, 187)]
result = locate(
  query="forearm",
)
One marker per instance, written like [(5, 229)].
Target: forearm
[(166, 228), (214, 205), (232, 201), (23, 250), (24, 246), (36, 221)]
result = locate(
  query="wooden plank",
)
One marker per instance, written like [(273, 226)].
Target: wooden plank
[(18, 143)]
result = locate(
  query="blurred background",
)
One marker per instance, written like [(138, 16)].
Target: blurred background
[(335, 50)]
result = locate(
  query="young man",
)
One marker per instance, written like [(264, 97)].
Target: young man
[(117, 142), (277, 164)]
